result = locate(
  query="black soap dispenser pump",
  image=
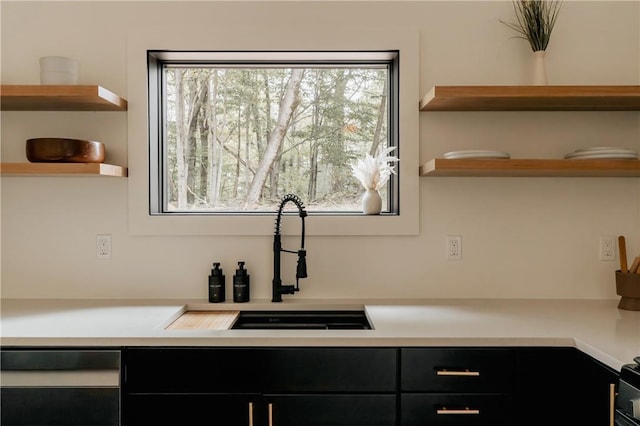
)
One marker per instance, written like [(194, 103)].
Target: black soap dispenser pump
[(216, 284), (241, 284)]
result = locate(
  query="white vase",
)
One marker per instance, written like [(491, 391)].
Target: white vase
[(539, 69), (371, 202)]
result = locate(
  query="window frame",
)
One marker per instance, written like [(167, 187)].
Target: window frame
[(146, 38), (157, 60)]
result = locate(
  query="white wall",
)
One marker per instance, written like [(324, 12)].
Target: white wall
[(522, 237)]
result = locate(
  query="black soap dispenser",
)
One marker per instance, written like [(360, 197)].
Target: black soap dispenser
[(216, 284), (241, 284)]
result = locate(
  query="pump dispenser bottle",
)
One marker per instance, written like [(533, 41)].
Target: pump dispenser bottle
[(216, 284), (241, 284)]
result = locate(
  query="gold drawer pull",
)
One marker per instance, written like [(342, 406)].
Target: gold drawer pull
[(465, 373), (612, 404), (466, 410), (270, 409), (251, 414)]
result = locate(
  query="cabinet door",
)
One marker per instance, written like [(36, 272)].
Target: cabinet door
[(330, 410), (562, 386), (545, 386), (190, 410), (594, 390)]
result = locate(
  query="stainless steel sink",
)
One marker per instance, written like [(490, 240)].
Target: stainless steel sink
[(302, 320)]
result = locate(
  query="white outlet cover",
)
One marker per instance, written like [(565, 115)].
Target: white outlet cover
[(454, 247), (607, 248), (103, 246)]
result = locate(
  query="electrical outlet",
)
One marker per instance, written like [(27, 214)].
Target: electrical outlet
[(454, 247), (607, 248), (103, 246)]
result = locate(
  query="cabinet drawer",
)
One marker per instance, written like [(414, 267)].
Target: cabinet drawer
[(185, 370), (457, 370), (455, 409), (300, 370)]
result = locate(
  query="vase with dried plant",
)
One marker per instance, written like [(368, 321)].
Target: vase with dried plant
[(374, 173), (535, 20)]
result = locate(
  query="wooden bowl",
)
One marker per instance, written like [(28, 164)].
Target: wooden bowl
[(60, 150)]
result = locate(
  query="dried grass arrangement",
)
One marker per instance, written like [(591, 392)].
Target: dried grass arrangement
[(535, 21), (374, 172)]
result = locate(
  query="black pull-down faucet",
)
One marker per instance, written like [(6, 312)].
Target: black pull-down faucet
[(301, 272)]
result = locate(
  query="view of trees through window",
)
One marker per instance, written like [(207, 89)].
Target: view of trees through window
[(239, 137)]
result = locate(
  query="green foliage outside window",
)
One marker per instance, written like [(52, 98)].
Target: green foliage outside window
[(237, 138)]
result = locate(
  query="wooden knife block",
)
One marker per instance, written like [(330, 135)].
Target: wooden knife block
[(628, 286)]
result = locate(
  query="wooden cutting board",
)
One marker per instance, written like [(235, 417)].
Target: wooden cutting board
[(204, 320)]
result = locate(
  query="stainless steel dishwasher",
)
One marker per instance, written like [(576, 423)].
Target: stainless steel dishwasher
[(61, 387)]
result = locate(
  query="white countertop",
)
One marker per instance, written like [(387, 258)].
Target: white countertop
[(596, 327)]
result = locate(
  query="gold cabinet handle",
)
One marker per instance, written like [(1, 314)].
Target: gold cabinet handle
[(466, 410), (612, 404), (251, 414), (270, 409), (463, 373)]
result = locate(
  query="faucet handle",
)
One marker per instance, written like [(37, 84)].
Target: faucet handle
[(301, 271)]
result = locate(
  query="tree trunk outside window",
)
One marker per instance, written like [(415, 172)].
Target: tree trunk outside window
[(288, 105)]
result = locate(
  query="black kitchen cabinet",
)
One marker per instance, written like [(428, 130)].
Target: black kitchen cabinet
[(562, 386), (176, 386), (50, 386), (321, 386), (260, 386), (330, 387), (456, 386), (595, 389)]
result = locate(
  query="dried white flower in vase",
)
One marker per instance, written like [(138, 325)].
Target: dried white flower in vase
[(374, 173)]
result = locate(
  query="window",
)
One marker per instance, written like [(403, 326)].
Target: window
[(233, 132)]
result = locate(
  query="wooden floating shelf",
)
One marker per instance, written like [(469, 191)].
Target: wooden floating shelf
[(62, 169), (59, 98), (532, 98), (531, 168)]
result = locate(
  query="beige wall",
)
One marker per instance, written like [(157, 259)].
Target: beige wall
[(521, 237)]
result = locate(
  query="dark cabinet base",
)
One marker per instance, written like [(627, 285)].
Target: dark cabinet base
[(244, 386), (364, 387)]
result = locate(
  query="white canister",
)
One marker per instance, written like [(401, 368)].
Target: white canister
[(59, 70)]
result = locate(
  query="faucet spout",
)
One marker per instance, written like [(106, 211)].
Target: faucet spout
[(278, 288)]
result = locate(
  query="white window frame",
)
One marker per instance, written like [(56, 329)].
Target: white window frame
[(141, 40)]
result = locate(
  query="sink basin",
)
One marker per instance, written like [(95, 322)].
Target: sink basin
[(302, 320)]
